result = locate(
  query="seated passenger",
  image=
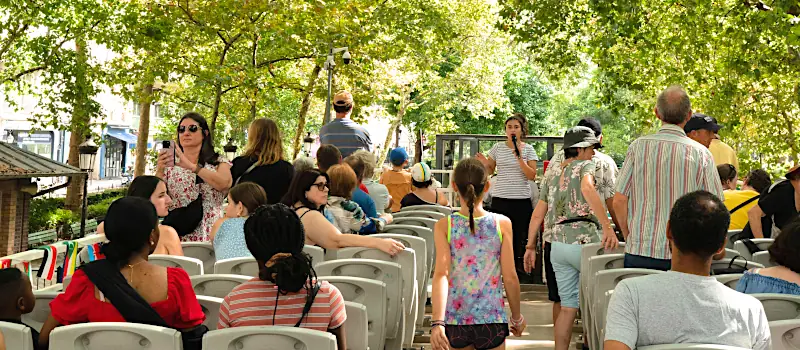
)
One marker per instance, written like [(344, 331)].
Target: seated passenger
[(781, 279), (685, 304), (424, 192), (125, 286), (228, 232), (364, 199), (308, 195), (17, 300), (739, 202), (286, 291), (348, 216)]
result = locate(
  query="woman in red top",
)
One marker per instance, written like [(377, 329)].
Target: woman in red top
[(132, 230)]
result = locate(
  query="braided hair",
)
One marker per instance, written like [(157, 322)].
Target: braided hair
[(275, 237), (470, 178)]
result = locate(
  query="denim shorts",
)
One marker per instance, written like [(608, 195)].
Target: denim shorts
[(566, 260)]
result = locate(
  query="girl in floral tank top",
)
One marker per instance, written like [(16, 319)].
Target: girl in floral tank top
[(474, 254)]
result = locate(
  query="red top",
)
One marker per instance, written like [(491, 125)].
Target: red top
[(79, 305), (363, 188)]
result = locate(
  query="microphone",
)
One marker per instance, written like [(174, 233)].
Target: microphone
[(516, 148)]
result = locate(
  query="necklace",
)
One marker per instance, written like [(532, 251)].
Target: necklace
[(131, 267)]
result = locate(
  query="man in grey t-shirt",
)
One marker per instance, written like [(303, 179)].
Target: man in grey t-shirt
[(686, 305)]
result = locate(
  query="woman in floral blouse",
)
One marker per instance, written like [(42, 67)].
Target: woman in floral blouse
[(198, 170), (573, 211)]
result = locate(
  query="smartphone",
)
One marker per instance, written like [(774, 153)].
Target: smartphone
[(168, 146)]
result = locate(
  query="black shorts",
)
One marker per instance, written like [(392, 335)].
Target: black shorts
[(552, 287), (481, 336)]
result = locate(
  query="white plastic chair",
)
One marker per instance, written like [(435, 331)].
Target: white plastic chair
[(387, 272), (606, 281), (41, 310), (416, 221), (416, 231), (423, 269), (785, 334), (585, 297), (203, 251), (762, 243), (356, 326), (237, 266), (269, 338), (687, 346), (729, 280), (731, 253), (763, 258), (210, 306), (215, 285), (17, 336), (725, 263), (317, 254), (779, 307), (114, 335), (192, 266), (729, 242), (371, 294), (419, 214), (440, 208)]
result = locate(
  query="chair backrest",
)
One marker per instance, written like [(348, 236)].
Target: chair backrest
[(419, 214), (729, 242), (356, 326), (586, 297), (724, 263), (387, 272), (763, 259), (731, 253), (607, 280), (371, 294), (762, 243), (416, 221), (317, 254), (17, 336), (686, 346), (192, 266), (780, 307), (420, 251), (729, 280), (269, 338), (203, 251), (114, 335), (237, 266), (210, 306), (406, 258), (217, 285), (440, 208), (41, 310), (416, 231), (785, 334), (606, 262)]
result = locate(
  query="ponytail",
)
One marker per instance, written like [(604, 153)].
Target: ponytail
[(470, 179), (470, 197)]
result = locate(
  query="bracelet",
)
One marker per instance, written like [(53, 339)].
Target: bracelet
[(529, 247), (519, 321), (197, 169), (437, 323)]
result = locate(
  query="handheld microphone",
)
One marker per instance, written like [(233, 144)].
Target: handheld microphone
[(514, 141)]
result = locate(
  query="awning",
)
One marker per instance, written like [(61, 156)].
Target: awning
[(123, 135)]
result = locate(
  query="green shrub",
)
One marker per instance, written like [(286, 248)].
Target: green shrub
[(60, 217), (48, 213)]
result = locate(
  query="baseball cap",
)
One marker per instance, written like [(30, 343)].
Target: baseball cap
[(793, 171), (343, 98), (593, 124), (398, 156), (700, 121), (579, 137), (421, 172)]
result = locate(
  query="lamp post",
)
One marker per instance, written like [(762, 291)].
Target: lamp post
[(230, 149), (307, 142), (87, 151), (329, 65)]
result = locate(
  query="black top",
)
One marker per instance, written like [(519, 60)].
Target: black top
[(274, 178), (34, 332), (412, 199), (779, 203)]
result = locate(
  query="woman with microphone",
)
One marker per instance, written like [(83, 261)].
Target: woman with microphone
[(515, 162)]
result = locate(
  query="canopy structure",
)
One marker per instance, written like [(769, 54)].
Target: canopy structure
[(17, 163)]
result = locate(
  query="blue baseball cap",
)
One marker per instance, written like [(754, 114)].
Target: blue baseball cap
[(398, 156)]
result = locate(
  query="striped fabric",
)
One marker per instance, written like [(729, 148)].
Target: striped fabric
[(70, 258), (659, 169), (510, 182), (5, 263), (346, 135), (48, 267), (252, 304)]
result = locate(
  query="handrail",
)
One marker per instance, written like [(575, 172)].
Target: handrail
[(35, 254)]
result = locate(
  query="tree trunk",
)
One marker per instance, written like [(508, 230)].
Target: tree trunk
[(145, 99), (215, 112), (79, 125), (301, 118), (418, 146)]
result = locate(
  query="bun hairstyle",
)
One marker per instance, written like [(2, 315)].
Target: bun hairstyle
[(275, 237), (470, 178), (523, 122), (129, 223)]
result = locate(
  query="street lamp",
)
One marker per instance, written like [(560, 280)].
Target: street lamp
[(87, 152), (329, 65), (307, 142), (230, 149)]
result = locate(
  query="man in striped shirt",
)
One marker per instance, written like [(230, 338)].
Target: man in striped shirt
[(659, 169), (343, 132)]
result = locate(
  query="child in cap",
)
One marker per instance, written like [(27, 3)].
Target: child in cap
[(397, 180), (17, 299), (424, 193)]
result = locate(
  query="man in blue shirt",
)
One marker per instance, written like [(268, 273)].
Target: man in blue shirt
[(343, 132)]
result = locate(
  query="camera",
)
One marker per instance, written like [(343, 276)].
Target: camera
[(346, 57)]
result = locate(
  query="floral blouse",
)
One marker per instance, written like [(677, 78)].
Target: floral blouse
[(183, 190), (565, 201)]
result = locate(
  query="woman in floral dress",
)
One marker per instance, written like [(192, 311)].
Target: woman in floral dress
[(571, 208), (198, 170)]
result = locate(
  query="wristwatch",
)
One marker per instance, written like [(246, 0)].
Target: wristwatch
[(197, 168)]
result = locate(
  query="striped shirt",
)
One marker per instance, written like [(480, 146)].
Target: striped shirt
[(659, 169), (252, 304), (510, 182), (346, 135)]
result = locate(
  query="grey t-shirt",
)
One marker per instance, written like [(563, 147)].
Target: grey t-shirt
[(676, 307)]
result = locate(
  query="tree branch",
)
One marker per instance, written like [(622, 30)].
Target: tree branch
[(25, 72), (189, 14), (230, 88), (265, 63), (12, 37), (185, 100)]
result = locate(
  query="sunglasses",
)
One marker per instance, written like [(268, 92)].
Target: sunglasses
[(192, 129), (321, 185)]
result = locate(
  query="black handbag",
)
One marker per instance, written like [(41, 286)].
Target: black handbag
[(186, 219), (731, 269)]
